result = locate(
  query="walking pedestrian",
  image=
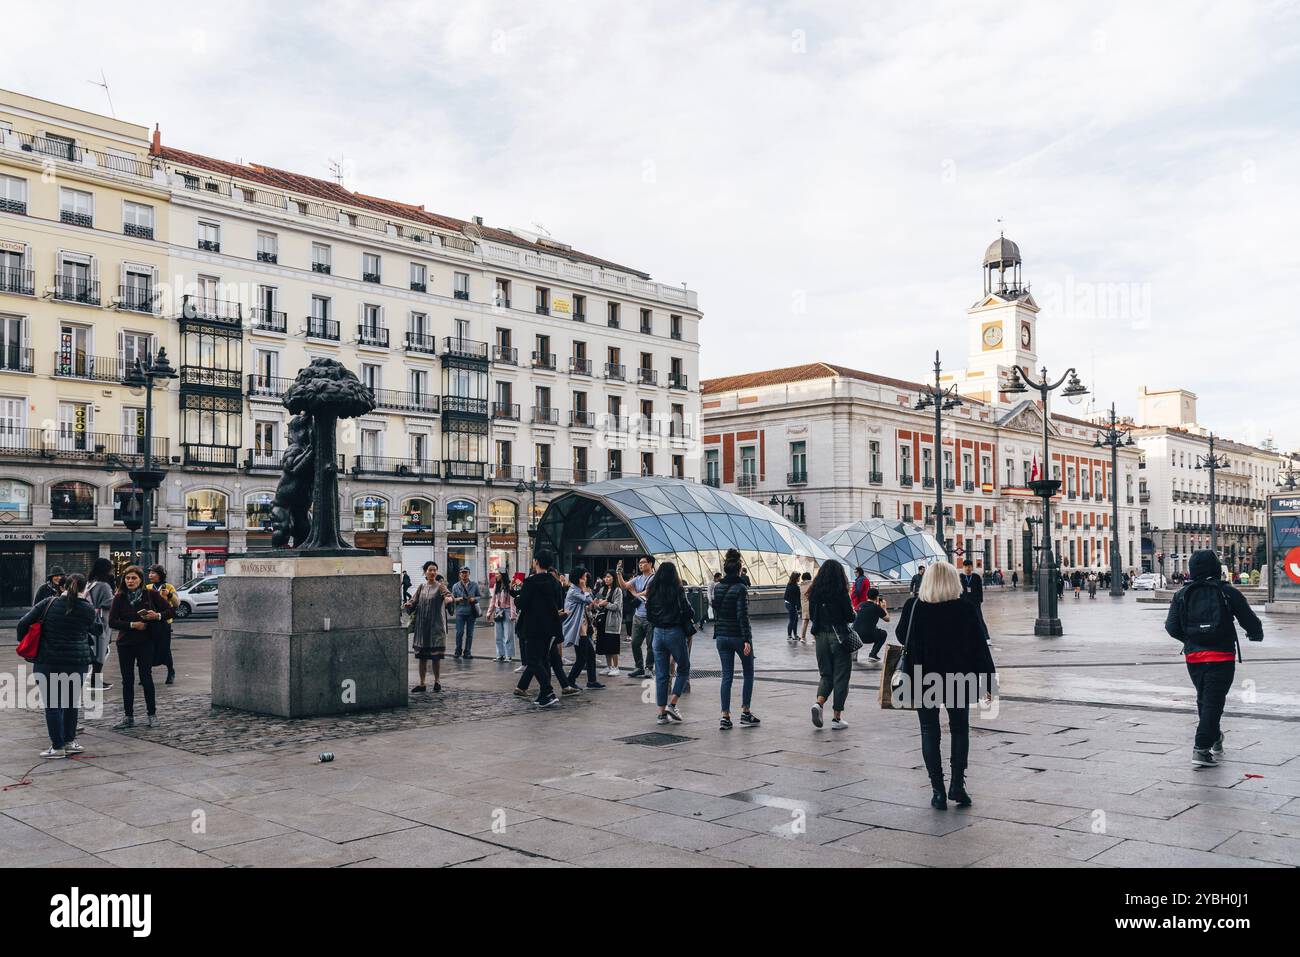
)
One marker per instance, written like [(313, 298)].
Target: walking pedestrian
[(502, 609), (946, 662), (1201, 617), (793, 602), (734, 638), (1092, 584), (609, 630), (805, 585), (861, 585), (162, 653), (972, 589), (831, 612), (669, 614), (136, 614), (62, 657), (466, 595), (429, 626), (1015, 579), (101, 586), (915, 584), (579, 602), (641, 628), (540, 601), (52, 586), (406, 586), (1076, 581)]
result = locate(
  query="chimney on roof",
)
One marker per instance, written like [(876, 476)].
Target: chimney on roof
[(478, 220), (155, 148)]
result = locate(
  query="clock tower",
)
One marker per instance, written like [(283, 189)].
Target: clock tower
[(1003, 325)]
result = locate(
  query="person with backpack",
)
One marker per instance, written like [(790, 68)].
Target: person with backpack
[(62, 657), (1201, 617), (733, 637)]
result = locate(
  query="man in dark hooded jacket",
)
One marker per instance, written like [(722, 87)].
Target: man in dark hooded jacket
[(1211, 655)]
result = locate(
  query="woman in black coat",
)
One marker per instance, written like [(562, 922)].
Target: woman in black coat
[(831, 613), (64, 654), (945, 662), (792, 602)]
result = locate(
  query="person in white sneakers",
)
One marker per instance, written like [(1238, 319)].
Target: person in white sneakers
[(62, 657), (831, 613), (609, 635)]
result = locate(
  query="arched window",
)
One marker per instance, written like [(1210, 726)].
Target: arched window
[(461, 516), (257, 511), (205, 509), (15, 502), (72, 502), (417, 515), (502, 516), (370, 514)]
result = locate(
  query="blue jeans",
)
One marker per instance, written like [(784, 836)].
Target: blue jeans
[(670, 643), (505, 638), (61, 693), (792, 623), (465, 632), (728, 647)]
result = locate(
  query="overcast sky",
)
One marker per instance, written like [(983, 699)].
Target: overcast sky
[(825, 175)]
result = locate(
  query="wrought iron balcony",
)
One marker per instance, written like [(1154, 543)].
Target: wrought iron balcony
[(137, 299), (677, 380), (796, 478), (506, 411), (267, 257), (582, 420), (327, 329), (212, 310), (949, 485), (76, 219), (615, 371), (462, 294), (647, 376), (78, 365), (139, 232), (268, 386), (464, 348), (401, 467), (579, 317), (418, 286), (458, 470), (675, 334), (968, 486), (422, 343), (269, 320), (506, 473), (746, 481), (263, 460), (579, 366), (544, 360), (76, 289), (394, 401), (543, 310), (713, 481), (202, 377), (19, 282), (904, 480), (545, 416), (501, 302), (646, 329), (210, 245), (17, 206), (927, 482), (370, 277), (216, 456), (613, 322), (464, 405), (876, 478), (371, 335), (505, 355), (16, 359)]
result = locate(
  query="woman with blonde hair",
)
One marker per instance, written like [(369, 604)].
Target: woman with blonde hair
[(945, 658)]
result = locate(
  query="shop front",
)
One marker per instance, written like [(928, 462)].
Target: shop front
[(462, 538), (257, 521), (17, 566), (503, 552), (370, 523), (417, 536)]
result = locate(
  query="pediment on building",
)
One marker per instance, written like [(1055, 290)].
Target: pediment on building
[(993, 300), (1026, 417)]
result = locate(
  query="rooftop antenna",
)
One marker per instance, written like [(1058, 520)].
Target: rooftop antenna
[(103, 82), (543, 229), (336, 169)]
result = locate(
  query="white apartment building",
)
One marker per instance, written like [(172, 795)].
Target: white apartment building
[(830, 445), (506, 366), (1175, 486)]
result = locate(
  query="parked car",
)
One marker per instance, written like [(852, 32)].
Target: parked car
[(198, 595), (1148, 581)]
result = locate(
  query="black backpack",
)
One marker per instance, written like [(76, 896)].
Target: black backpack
[(1204, 608)]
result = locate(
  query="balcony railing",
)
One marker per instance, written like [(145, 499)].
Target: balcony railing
[(56, 444), (647, 376), (615, 371), (217, 456), (543, 310), (76, 219), (20, 282), (461, 294), (212, 310), (263, 460), (78, 365), (16, 359), (403, 467), (796, 478), (677, 380), (210, 245), (579, 317), (137, 299), (506, 411), (394, 401), (327, 329), (370, 277), (76, 289), (545, 416), (269, 320), (904, 480), (465, 405), (418, 286), (501, 302), (544, 360), (556, 476), (506, 473), (63, 150), (368, 335), (968, 486), (324, 268), (949, 485), (264, 256), (420, 342), (875, 478), (746, 481), (464, 348), (713, 481), (461, 471), (137, 231), (582, 420), (202, 377), (270, 386), (927, 482), (16, 206), (579, 366), (505, 355)]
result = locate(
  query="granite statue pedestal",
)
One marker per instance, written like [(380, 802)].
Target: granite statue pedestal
[(304, 635)]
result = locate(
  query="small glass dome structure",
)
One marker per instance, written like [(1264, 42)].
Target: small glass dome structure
[(886, 550), (689, 524)]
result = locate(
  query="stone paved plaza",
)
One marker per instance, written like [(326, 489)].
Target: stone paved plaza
[(1086, 763)]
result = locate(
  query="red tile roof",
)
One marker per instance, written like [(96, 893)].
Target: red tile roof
[(332, 192), (803, 373)]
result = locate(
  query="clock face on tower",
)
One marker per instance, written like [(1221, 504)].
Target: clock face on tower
[(992, 335), (1026, 337)]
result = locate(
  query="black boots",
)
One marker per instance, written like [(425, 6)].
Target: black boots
[(937, 800), (957, 790)]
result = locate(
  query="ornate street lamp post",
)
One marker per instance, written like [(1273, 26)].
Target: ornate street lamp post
[(942, 400), (533, 486), (147, 478), (781, 502), (1048, 623), (1112, 438), (1212, 463)]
